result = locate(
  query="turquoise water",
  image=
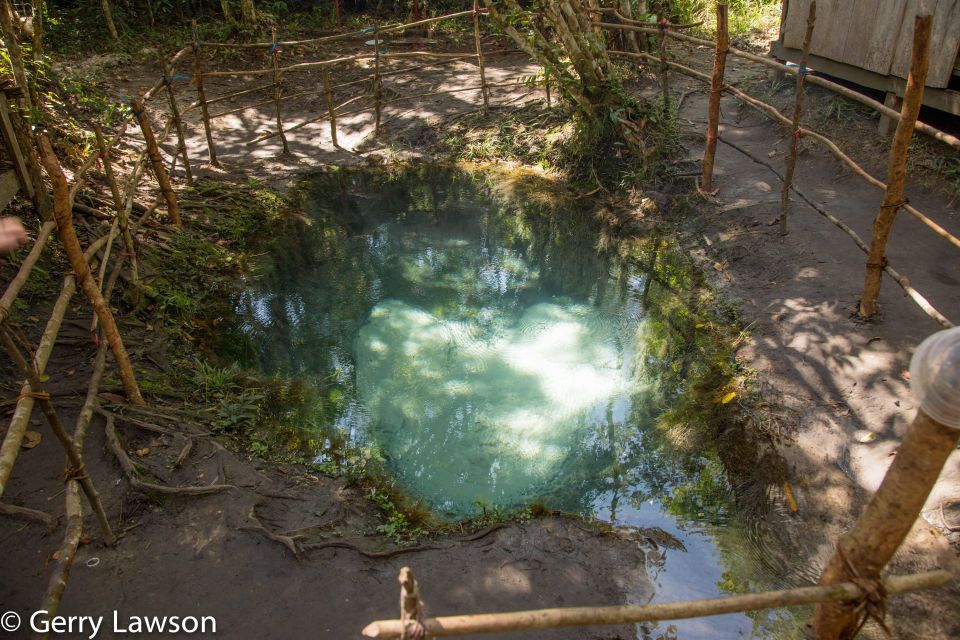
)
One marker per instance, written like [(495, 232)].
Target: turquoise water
[(492, 343)]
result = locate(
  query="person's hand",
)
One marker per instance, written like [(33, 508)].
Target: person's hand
[(12, 234)]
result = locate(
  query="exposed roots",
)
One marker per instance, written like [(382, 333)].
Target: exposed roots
[(130, 469), (292, 543), (33, 515)]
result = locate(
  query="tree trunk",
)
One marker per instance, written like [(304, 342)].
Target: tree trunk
[(228, 13), (108, 18), (248, 13)]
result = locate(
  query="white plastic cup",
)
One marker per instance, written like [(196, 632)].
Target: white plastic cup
[(935, 377)]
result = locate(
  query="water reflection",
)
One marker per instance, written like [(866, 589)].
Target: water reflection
[(481, 333)]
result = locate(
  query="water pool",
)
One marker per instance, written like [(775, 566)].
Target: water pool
[(494, 343)]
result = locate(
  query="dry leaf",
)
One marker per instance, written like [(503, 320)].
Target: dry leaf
[(31, 439), (791, 501), (143, 453)]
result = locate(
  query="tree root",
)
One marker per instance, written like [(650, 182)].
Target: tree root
[(339, 544), (34, 515), (130, 469), (292, 543)]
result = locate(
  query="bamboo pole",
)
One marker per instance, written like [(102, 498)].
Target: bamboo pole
[(23, 273), (73, 507), (277, 89), (328, 96), (831, 146), (68, 238), (177, 120), (879, 107), (865, 549), (76, 460), (897, 166), (627, 614), (10, 447), (159, 171), (476, 37), (377, 82), (716, 86), (797, 112), (202, 96)]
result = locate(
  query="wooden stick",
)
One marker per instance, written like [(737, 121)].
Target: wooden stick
[(177, 120), (831, 146), (156, 162), (546, 82), (797, 111), (664, 67), (57, 583), (922, 302), (202, 96), (342, 36), (879, 107), (76, 460), (476, 37), (277, 90), (377, 82), (68, 238), (865, 550), (328, 96), (304, 66), (628, 614), (119, 205), (897, 166), (230, 96), (23, 273), (716, 85), (10, 447)]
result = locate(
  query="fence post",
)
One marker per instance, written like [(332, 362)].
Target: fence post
[(483, 75), (716, 87), (797, 111), (275, 56), (664, 67), (160, 171), (202, 96), (177, 121), (897, 166), (863, 551), (328, 95), (377, 83)]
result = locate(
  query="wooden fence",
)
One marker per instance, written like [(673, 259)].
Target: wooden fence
[(907, 120)]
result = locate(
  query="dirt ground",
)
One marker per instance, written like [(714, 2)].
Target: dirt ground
[(830, 377)]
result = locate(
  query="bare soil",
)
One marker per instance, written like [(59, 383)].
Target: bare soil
[(829, 378)]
